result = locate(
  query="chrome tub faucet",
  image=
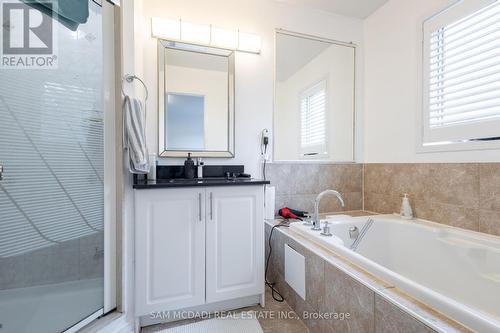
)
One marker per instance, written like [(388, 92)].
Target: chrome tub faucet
[(316, 221)]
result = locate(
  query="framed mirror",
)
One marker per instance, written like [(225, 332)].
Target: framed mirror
[(314, 109), (196, 100)]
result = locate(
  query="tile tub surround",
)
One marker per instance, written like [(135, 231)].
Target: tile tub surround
[(298, 184), (333, 284), (464, 195), (73, 260)]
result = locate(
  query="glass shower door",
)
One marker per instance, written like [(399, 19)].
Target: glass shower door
[(51, 191)]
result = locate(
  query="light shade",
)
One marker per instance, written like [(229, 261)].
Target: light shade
[(167, 29), (195, 33), (249, 42), (224, 38)]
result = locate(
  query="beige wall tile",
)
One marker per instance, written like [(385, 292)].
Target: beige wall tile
[(305, 202), (456, 184), (298, 184), (449, 183), (452, 215), (377, 179), (277, 259), (315, 280), (390, 319), (344, 294), (489, 188), (489, 222), (353, 201), (382, 203), (464, 195)]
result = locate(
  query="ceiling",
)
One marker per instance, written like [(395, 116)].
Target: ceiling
[(353, 8), (293, 53)]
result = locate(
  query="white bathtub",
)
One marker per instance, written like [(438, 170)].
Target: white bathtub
[(455, 271)]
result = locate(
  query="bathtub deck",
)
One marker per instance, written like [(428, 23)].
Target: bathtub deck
[(390, 293)]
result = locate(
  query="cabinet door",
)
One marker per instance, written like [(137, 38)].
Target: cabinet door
[(235, 242), (169, 249)]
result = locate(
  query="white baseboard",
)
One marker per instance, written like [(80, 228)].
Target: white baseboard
[(112, 323)]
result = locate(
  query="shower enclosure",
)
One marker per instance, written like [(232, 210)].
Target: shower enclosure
[(52, 185)]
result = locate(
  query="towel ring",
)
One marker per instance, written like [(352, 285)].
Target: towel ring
[(130, 78)]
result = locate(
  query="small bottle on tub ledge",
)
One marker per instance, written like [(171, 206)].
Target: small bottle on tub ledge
[(406, 211)]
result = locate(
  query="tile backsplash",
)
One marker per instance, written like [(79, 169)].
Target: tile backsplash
[(297, 185), (464, 195)]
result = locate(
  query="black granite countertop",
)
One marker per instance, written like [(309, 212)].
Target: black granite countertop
[(180, 182)]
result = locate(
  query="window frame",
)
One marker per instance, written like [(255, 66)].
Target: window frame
[(309, 91), (423, 131)]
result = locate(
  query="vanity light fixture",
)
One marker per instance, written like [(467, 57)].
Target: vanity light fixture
[(195, 33), (167, 29), (227, 39), (179, 30)]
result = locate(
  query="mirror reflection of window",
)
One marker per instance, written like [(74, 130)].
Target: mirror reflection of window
[(313, 104), (314, 99), (185, 122)]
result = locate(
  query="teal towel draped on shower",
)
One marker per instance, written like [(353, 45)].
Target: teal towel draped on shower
[(71, 13)]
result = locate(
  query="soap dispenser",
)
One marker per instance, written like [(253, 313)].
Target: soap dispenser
[(406, 211), (189, 168)]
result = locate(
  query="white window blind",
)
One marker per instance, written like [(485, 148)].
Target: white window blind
[(461, 73), (313, 120)]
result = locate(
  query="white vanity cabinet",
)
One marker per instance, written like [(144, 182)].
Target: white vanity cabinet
[(197, 245)]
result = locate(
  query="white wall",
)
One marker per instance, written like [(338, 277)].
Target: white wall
[(336, 65), (391, 86), (131, 62), (254, 73)]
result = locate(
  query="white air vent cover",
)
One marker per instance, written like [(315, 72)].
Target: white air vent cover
[(295, 271)]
